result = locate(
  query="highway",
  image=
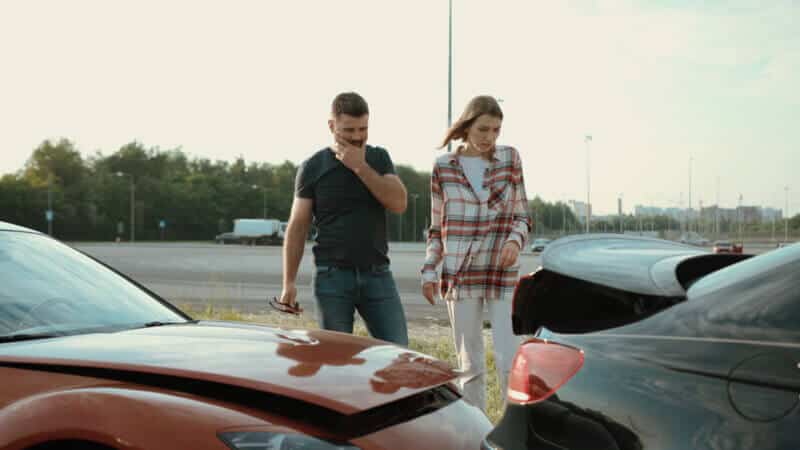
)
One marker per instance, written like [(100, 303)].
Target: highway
[(243, 277)]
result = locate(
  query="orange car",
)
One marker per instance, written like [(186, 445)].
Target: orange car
[(90, 360)]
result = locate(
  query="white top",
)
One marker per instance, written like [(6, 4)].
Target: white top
[(474, 168)]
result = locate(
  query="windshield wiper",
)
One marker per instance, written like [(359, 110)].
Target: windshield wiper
[(27, 337)]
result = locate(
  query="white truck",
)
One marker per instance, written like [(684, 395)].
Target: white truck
[(259, 231)]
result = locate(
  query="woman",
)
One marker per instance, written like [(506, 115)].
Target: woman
[(479, 224)]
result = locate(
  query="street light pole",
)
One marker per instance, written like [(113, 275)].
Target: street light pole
[(133, 205), (773, 226), (587, 139), (49, 215), (739, 217), (265, 200), (133, 210), (689, 210), (702, 223), (255, 186), (786, 211), (716, 213), (414, 198)]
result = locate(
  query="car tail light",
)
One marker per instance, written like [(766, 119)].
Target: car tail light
[(539, 369)]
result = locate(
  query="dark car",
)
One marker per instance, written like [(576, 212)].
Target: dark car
[(638, 343), (90, 360)]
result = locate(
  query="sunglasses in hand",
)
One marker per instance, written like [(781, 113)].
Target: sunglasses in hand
[(295, 309)]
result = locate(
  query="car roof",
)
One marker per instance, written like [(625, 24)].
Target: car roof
[(755, 299), (742, 272)]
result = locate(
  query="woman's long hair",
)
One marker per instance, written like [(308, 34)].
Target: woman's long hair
[(478, 106)]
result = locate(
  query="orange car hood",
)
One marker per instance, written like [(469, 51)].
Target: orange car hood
[(342, 372)]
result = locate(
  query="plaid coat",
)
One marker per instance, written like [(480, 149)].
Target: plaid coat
[(467, 234)]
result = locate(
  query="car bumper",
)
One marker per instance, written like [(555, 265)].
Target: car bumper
[(458, 426)]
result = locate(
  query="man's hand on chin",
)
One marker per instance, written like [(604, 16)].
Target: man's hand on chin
[(352, 156)]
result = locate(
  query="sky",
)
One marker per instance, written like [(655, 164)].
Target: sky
[(669, 90)]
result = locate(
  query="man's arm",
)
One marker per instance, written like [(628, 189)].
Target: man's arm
[(388, 188), (293, 246)]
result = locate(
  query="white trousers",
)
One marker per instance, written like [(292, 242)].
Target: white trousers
[(466, 319)]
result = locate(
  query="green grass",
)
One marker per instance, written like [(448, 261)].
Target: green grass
[(439, 347)]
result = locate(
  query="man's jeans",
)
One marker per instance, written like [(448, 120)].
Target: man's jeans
[(339, 292)]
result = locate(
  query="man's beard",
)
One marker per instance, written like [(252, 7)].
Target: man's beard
[(357, 143)]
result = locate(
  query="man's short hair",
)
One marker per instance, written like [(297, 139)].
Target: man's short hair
[(349, 103)]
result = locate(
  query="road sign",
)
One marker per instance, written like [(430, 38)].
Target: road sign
[(49, 215)]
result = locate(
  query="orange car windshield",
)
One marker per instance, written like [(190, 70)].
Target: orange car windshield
[(50, 288)]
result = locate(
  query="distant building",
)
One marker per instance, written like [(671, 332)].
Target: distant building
[(712, 213), (648, 211), (770, 214), (728, 214), (706, 214), (749, 214)]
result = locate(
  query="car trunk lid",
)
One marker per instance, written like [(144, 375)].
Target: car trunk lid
[(595, 282)]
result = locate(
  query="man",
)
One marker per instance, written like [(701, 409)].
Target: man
[(345, 190)]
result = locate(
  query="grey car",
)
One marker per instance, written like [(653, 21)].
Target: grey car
[(539, 245)]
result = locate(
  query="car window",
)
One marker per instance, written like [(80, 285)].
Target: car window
[(763, 290), (50, 287)]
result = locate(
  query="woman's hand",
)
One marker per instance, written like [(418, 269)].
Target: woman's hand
[(428, 291), (509, 254)]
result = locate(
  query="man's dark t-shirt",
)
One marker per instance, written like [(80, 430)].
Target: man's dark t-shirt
[(350, 221)]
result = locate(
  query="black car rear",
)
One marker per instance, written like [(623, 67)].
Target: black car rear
[(681, 349)]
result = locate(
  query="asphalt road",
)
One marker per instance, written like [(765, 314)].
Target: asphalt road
[(243, 277)]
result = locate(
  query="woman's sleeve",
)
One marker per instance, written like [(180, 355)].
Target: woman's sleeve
[(433, 251), (522, 223)]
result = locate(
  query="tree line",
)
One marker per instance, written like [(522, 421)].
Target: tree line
[(175, 197), (196, 198)]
